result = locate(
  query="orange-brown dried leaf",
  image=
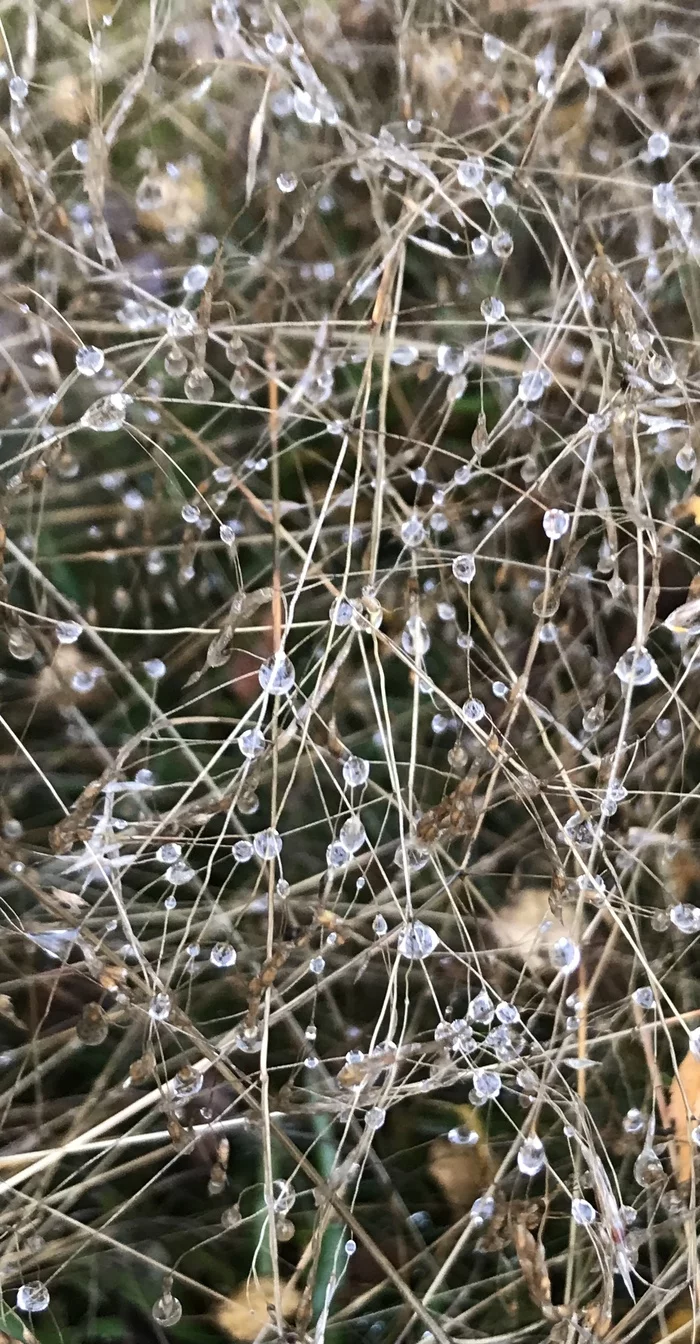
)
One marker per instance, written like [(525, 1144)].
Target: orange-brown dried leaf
[(684, 1113)]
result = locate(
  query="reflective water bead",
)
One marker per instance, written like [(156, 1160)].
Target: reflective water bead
[(317, 965), (223, 955), (633, 1122), (502, 247), (89, 360), (18, 89), (175, 362), (643, 997), (350, 1247), (305, 108), (531, 386), (276, 43), (483, 1208), (686, 458), (251, 743), (480, 245), (636, 667), (159, 1007), (474, 710), (499, 689), (188, 1082), (168, 853), (154, 668), (464, 567), (276, 675), (531, 1157), (355, 771), (286, 183), (451, 359), (195, 278), (686, 918), (565, 955), (492, 47), (190, 513), (658, 145), (179, 873), (353, 835), (33, 1296), (470, 172), (412, 531), (661, 370), (583, 1212), (268, 843), (67, 632), (404, 355), (555, 524), (198, 386), (170, 903), (415, 637), (486, 1084), (647, 1169), (107, 414), (481, 1008), (181, 322), (337, 855), (493, 309), (462, 1134), (167, 1310), (417, 940)]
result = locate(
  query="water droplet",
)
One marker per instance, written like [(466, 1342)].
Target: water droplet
[(67, 632), (268, 843), (286, 183), (89, 360), (565, 955), (242, 851), (658, 145), (582, 1212), (493, 48), (198, 386), (470, 172), (223, 955), (355, 771), (417, 940), (33, 1296), (375, 1117), (493, 310), (168, 853), (636, 667), (531, 1157), (20, 644), (167, 1310), (179, 873), (464, 567), (175, 362), (276, 675), (555, 524), (251, 743), (195, 278), (451, 359), (686, 458), (159, 1007), (18, 89), (413, 531), (633, 1122), (108, 414), (502, 247), (648, 1170)]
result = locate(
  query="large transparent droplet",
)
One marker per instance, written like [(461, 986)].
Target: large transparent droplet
[(636, 667), (417, 940)]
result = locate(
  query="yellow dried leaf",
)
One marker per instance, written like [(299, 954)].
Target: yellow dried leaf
[(519, 926), (184, 200), (684, 1112), (463, 1171), (245, 1315)]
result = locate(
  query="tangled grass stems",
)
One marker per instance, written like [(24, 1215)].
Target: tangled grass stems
[(348, 824)]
